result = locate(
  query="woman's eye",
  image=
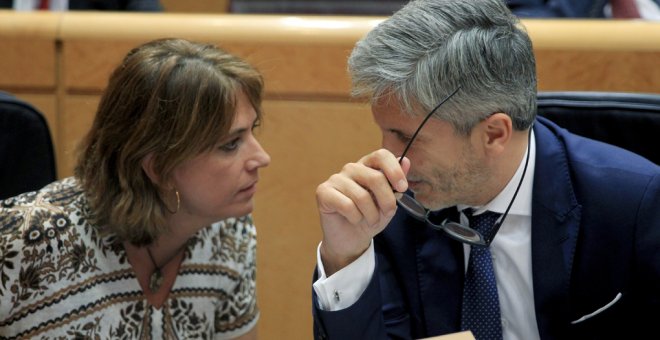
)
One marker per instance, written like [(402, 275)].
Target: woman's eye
[(256, 125), (231, 146)]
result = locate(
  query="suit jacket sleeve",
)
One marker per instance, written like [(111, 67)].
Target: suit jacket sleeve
[(378, 313)]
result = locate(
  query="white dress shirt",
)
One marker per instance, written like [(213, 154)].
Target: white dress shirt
[(511, 251)]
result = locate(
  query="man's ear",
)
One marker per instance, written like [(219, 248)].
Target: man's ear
[(498, 130), (148, 168)]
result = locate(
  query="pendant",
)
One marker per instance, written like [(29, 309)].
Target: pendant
[(155, 281)]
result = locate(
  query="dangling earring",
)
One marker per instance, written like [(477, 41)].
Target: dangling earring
[(178, 203)]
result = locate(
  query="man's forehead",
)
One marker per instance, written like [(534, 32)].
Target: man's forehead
[(394, 104), (387, 101), (393, 119)]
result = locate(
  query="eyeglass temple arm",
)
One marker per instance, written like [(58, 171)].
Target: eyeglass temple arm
[(405, 151), (500, 220)]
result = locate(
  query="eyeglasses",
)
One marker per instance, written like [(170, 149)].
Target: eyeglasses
[(455, 230)]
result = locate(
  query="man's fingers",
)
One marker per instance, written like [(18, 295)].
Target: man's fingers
[(405, 165), (333, 201), (384, 161), (359, 189)]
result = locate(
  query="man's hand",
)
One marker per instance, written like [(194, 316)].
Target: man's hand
[(356, 204)]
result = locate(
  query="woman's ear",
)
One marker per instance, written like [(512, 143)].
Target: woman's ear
[(148, 168)]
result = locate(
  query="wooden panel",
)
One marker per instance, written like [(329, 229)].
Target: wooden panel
[(84, 71), (28, 57), (295, 63), (19, 72), (76, 119), (569, 70), (594, 35), (313, 72), (324, 74), (196, 6), (308, 141), (306, 56), (244, 28), (596, 55)]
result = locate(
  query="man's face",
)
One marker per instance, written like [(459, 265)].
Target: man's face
[(446, 168)]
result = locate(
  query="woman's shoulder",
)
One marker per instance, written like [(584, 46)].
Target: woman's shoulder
[(60, 192), (46, 245), (58, 200)]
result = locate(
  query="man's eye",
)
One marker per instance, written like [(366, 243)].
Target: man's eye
[(403, 138)]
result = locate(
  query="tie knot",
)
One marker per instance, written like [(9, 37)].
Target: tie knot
[(484, 222)]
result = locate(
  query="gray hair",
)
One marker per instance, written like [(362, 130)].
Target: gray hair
[(430, 47)]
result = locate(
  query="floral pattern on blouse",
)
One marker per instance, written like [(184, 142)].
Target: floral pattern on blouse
[(60, 279)]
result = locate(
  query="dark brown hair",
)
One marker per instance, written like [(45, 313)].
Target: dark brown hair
[(170, 98)]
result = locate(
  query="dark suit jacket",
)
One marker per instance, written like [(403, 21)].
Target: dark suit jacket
[(595, 233), (106, 5)]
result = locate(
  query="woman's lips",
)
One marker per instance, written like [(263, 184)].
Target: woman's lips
[(250, 189)]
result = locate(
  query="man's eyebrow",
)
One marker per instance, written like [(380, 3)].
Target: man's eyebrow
[(398, 132)]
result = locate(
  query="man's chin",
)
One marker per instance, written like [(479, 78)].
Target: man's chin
[(430, 203)]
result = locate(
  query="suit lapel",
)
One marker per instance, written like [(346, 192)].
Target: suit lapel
[(555, 226)]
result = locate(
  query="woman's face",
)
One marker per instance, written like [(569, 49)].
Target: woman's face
[(221, 183)]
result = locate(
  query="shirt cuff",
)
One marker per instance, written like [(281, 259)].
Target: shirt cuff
[(343, 288)]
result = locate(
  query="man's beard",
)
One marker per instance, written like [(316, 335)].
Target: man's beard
[(461, 184)]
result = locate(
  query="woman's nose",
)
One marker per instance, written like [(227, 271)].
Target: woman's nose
[(260, 157)]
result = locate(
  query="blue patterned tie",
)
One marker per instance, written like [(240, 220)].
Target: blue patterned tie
[(481, 307)]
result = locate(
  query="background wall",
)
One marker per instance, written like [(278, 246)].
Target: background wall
[(61, 61)]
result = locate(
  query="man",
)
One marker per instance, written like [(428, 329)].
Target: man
[(577, 253)]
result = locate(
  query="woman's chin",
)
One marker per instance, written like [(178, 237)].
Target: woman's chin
[(243, 209)]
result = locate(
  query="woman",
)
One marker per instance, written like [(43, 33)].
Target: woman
[(131, 247)]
